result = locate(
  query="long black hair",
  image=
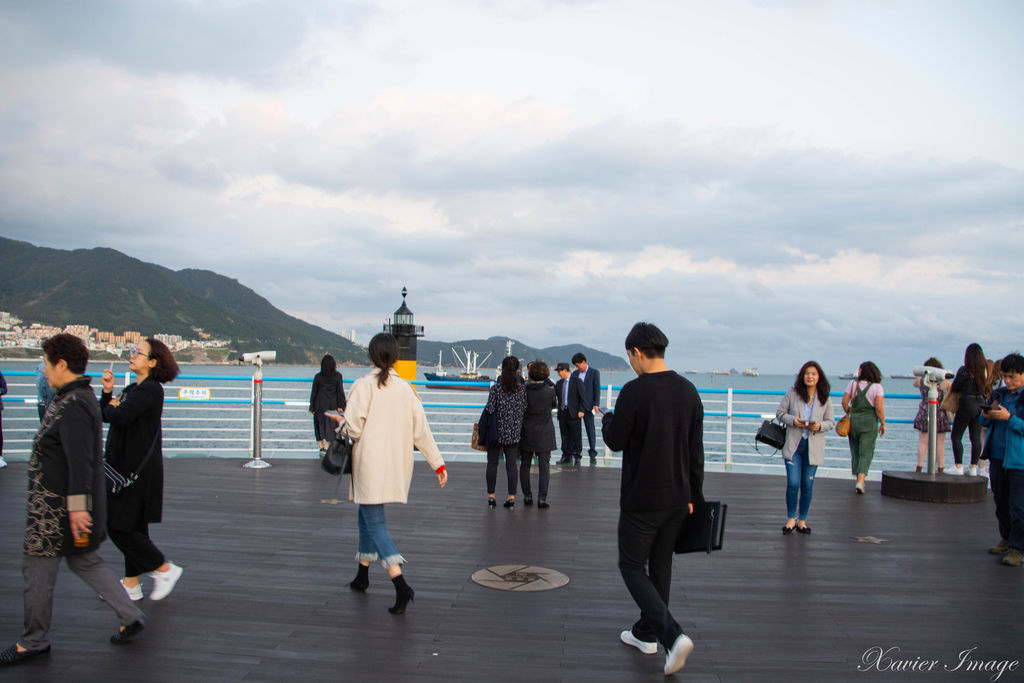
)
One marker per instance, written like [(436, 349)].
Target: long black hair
[(821, 390), (977, 368), (328, 366), (383, 351), (509, 379)]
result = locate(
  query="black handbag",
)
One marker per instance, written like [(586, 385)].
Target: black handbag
[(338, 457), (117, 482), (772, 434), (704, 530)]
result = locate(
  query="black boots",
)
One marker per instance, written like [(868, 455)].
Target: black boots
[(403, 594), (362, 580)]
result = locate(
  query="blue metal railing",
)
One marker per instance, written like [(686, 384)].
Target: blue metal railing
[(222, 425)]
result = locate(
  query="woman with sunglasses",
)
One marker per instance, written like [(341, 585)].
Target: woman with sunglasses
[(134, 446)]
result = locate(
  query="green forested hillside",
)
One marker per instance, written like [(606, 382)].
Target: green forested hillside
[(106, 289)]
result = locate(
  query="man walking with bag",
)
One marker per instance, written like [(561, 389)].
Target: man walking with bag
[(658, 424)]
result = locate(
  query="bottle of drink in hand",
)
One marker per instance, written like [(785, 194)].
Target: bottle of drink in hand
[(82, 541)]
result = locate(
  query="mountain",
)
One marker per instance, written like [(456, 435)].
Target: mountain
[(426, 353), (106, 289)]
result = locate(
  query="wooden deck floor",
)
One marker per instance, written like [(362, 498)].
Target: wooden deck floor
[(264, 596)]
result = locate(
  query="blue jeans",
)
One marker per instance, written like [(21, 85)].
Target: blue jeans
[(374, 538), (799, 480)]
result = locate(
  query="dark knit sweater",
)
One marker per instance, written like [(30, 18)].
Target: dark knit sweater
[(658, 424)]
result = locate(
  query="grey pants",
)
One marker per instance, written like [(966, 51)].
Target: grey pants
[(40, 574)]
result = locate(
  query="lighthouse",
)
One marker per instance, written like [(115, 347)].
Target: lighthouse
[(405, 332)]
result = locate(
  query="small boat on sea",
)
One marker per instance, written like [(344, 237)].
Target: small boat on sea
[(898, 376), (848, 375), (751, 372), (719, 372), (440, 379)]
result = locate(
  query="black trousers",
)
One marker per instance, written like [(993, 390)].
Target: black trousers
[(571, 431), (588, 422), (967, 418), (1001, 494), (544, 463), (141, 555), (511, 452), (647, 540)]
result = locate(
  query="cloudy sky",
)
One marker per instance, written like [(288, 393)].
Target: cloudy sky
[(768, 181)]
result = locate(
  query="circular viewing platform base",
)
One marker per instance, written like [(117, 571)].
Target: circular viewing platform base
[(934, 488)]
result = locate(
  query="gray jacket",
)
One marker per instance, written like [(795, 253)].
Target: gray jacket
[(791, 407)]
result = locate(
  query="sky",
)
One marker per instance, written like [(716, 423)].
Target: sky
[(767, 181)]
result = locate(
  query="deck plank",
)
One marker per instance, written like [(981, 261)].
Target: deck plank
[(265, 598)]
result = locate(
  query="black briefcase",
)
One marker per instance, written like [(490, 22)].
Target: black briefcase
[(704, 530)]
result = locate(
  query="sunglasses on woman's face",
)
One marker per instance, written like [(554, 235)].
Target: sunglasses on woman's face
[(135, 351)]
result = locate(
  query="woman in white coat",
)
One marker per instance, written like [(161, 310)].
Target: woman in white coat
[(806, 410), (385, 419)]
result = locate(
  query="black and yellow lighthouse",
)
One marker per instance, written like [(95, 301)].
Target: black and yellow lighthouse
[(405, 332)]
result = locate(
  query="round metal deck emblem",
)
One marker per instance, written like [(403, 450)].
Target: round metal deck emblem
[(520, 577)]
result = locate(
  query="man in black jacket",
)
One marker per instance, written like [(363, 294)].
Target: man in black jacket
[(67, 503), (571, 396), (658, 424)]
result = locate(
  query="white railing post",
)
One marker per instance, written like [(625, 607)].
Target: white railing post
[(728, 428), (608, 406)]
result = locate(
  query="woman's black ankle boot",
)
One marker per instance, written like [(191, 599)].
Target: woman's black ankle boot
[(362, 580), (403, 594)]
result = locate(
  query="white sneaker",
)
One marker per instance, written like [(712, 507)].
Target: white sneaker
[(629, 639), (163, 582), (676, 657), (958, 469), (3, 463), (974, 470), (135, 592)]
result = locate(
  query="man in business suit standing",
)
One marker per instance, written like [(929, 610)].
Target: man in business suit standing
[(571, 399), (591, 379)]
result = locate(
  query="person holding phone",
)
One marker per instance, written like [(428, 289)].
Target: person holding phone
[(806, 410), (1004, 449)]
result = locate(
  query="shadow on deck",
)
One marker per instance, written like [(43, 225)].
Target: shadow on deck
[(267, 560)]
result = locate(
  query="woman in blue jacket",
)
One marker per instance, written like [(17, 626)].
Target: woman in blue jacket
[(1004, 449)]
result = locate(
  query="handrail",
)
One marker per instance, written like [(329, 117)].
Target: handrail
[(222, 425)]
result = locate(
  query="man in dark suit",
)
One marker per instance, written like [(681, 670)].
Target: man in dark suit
[(571, 405), (591, 379)]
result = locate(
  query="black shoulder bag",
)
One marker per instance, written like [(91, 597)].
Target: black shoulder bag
[(770, 433), (117, 482), (338, 457)]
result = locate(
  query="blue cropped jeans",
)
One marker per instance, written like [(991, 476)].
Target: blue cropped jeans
[(374, 538), (799, 482)]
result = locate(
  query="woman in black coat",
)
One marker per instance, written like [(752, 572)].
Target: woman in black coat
[(134, 446), (538, 431), (328, 394)]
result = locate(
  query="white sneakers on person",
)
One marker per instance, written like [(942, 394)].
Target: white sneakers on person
[(629, 639), (677, 654), (958, 469), (3, 463), (134, 592), (163, 582), (974, 470)]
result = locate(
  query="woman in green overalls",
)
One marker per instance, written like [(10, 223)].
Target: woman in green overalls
[(863, 401)]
